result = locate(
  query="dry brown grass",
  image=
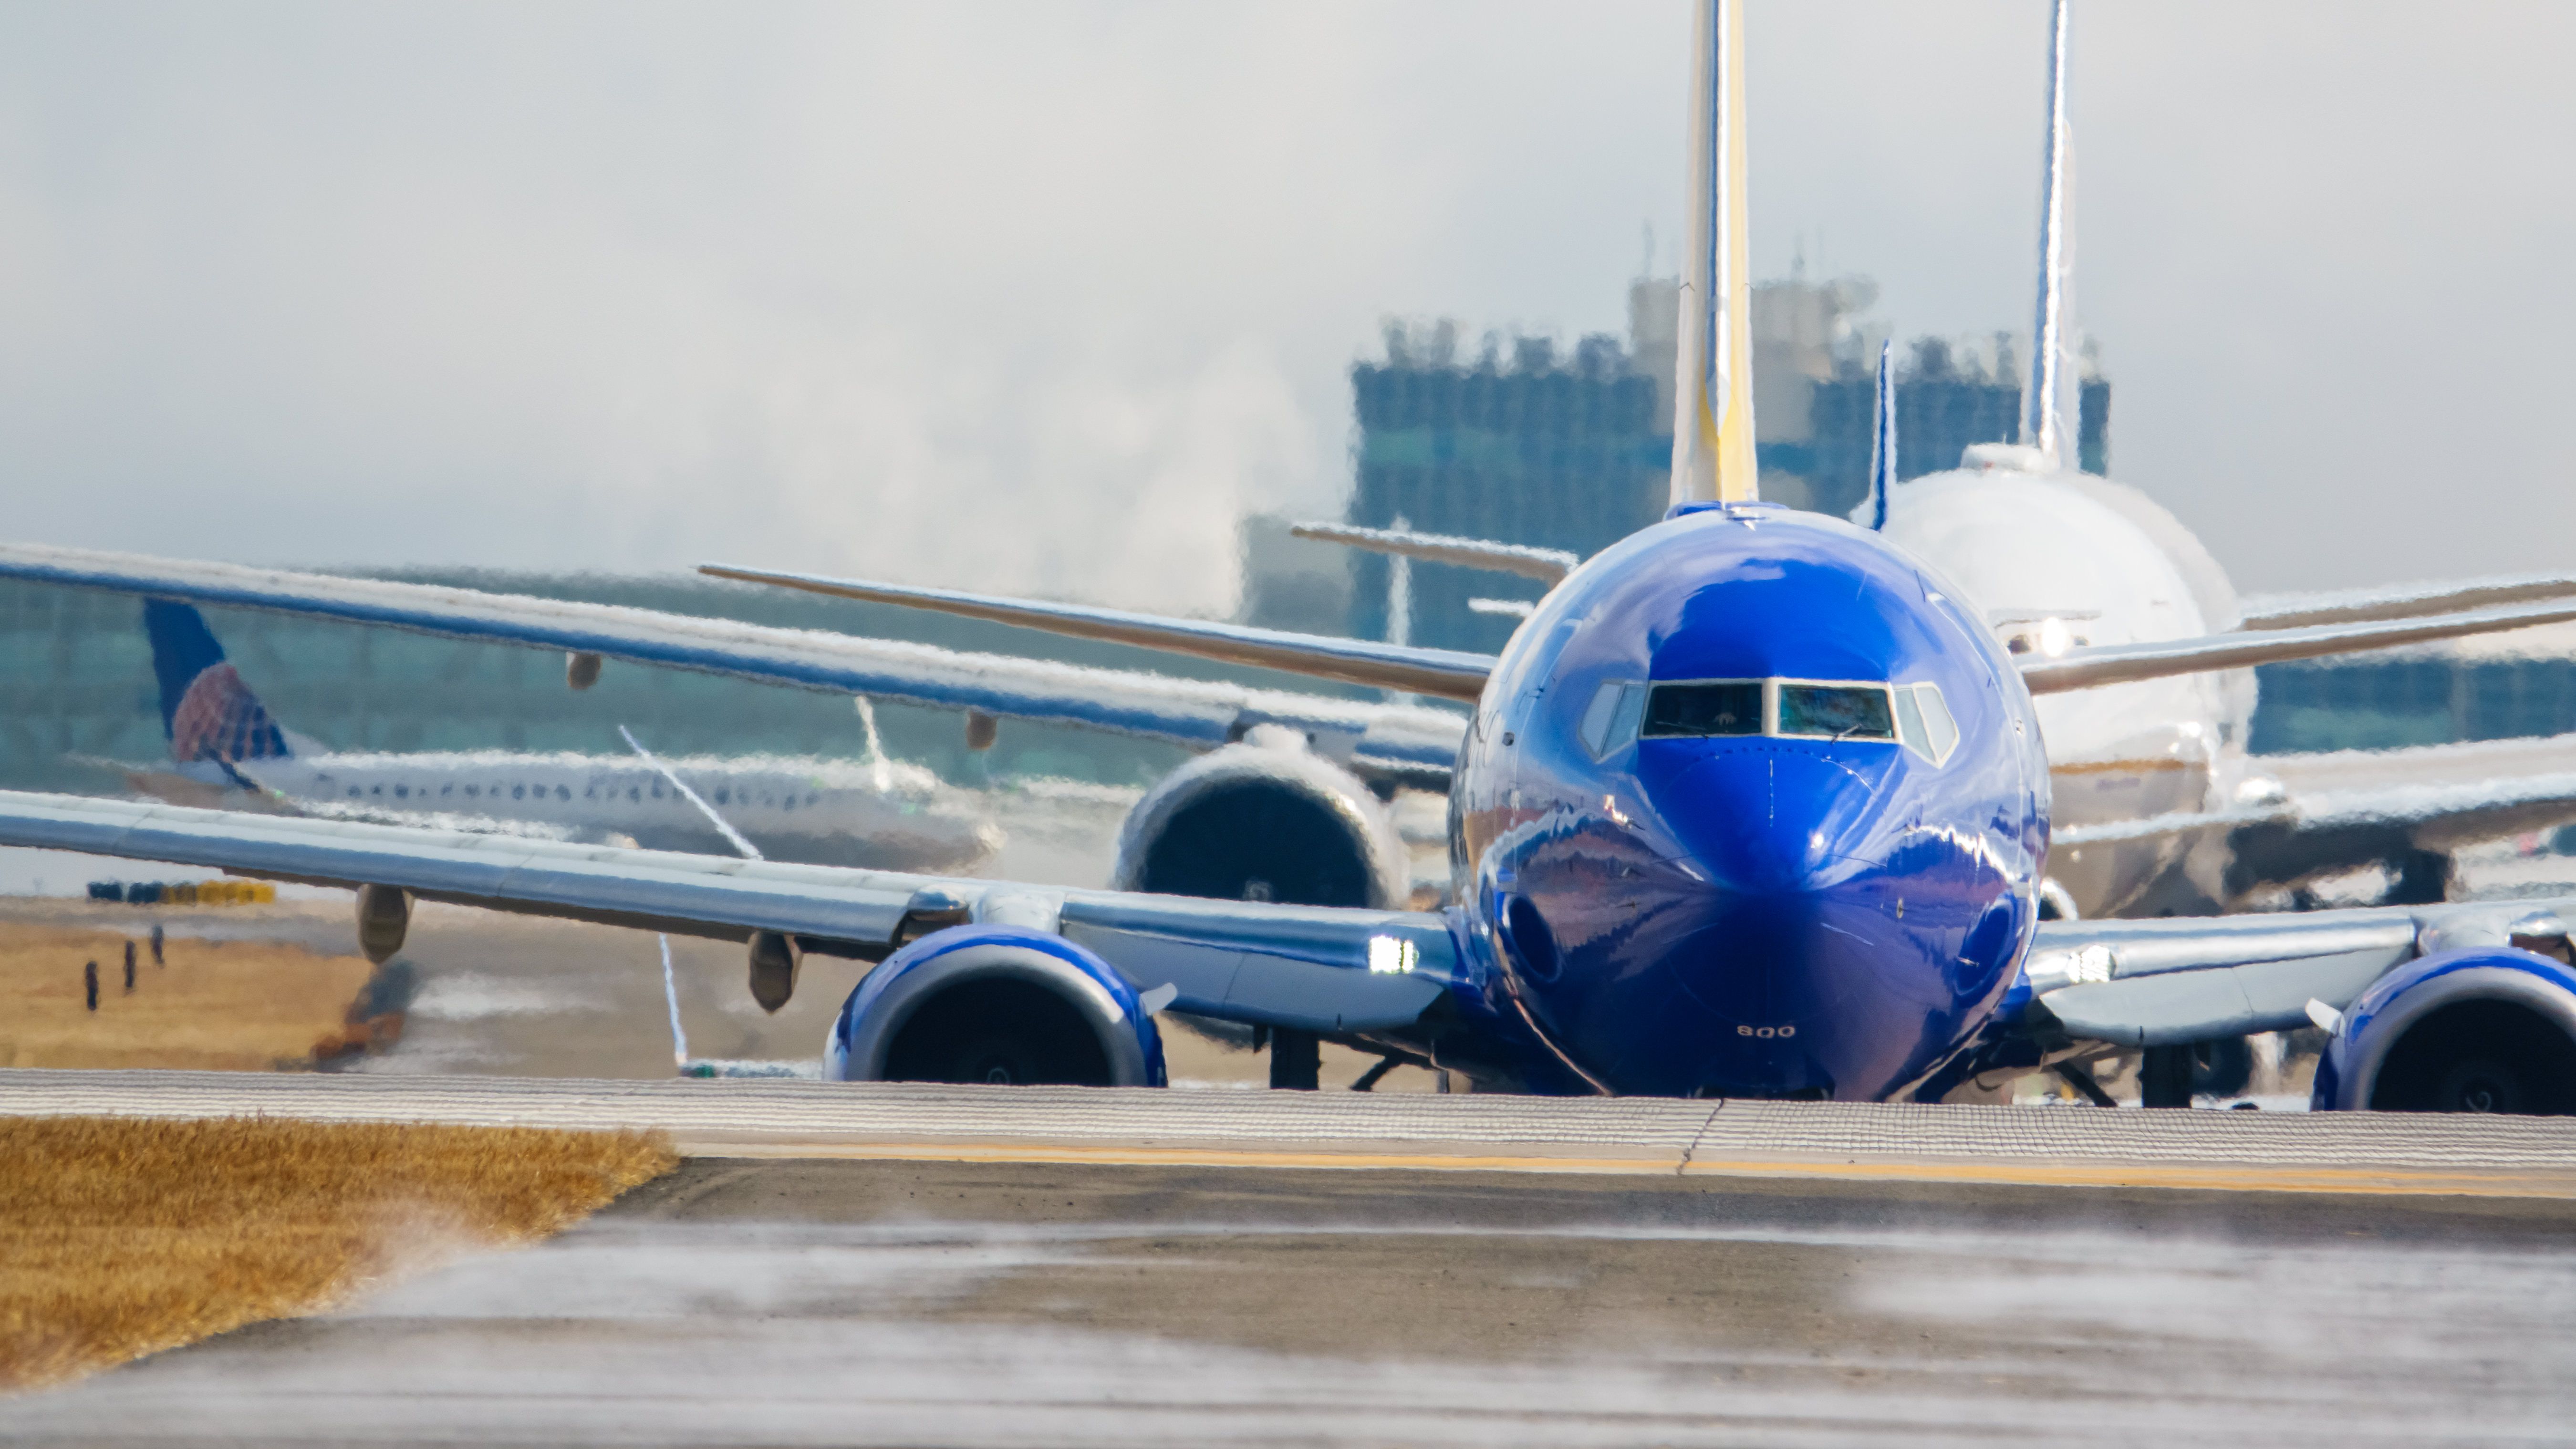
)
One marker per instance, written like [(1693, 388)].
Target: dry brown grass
[(121, 1238), (217, 1005)]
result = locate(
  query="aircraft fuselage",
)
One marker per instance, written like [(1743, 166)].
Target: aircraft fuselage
[(1718, 835)]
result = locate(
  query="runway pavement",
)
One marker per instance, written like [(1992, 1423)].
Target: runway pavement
[(950, 1303), (2377, 1153)]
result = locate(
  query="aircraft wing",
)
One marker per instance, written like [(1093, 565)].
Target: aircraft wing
[(2403, 601), (2158, 982), (1304, 967), (1447, 673), (2352, 808), (1453, 674), (1547, 565), (2184, 979), (2355, 807), (2088, 667), (1411, 744)]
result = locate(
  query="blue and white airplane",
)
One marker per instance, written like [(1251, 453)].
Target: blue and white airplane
[(2158, 806), (227, 750), (1752, 805)]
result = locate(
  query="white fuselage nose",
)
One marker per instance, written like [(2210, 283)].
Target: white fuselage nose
[(2055, 561)]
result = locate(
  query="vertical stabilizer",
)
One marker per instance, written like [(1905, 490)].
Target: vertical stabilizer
[(1882, 440), (2041, 415), (1713, 385), (207, 712)]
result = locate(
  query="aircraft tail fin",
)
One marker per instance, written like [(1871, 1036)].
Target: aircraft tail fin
[(2041, 407), (1713, 457), (206, 710), (1872, 511)]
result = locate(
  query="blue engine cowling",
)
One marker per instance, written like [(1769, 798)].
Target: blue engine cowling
[(2485, 1030), (989, 1003)]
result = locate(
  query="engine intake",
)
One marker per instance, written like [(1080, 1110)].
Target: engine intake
[(1264, 820), (2491, 1029), (997, 1004)]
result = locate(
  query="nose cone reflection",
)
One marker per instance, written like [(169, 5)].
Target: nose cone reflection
[(1772, 934), (1760, 817)]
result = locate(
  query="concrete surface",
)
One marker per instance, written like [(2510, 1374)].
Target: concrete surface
[(2343, 1152), (831, 1302)]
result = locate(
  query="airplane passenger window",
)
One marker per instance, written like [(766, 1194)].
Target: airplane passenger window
[(1722, 707), (563, 792), (518, 792), (1837, 711), (1938, 728)]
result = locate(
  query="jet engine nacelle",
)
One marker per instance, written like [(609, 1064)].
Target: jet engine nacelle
[(997, 1004), (1265, 820), (2490, 1029)]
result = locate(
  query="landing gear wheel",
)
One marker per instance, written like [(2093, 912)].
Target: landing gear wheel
[(2164, 1077), (2222, 1067), (1296, 1060)]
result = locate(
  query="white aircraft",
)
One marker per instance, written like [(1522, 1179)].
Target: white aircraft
[(2159, 806), (228, 751)]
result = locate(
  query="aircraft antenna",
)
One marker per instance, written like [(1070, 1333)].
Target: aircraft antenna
[(2039, 401), (1713, 458), (732, 836)]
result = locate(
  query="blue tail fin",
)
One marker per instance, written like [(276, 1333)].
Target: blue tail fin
[(207, 712), (1872, 512)]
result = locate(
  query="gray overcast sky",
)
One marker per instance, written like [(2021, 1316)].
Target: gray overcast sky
[(1039, 298)]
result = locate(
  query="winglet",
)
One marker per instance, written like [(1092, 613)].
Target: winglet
[(1713, 458), (2039, 395)]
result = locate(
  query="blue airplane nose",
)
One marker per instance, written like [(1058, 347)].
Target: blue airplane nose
[(1771, 936), (1761, 817)]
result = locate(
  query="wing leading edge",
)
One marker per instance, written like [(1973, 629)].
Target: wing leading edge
[(1446, 673), (1302, 967), (1461, 676), (1407, 743)]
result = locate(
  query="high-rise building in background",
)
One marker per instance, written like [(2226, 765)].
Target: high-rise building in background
[(1518, 440)]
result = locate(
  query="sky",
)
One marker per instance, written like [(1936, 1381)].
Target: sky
[(1040, 299)]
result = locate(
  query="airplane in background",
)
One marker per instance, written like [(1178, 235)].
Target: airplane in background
[(2159, 806), (228, 752), (1755, 804)]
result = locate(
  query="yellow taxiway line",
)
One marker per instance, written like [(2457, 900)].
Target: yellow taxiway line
[(2204, 1177)]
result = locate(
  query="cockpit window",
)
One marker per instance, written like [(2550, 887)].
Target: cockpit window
[(1913, 715), (1610, 720), (1837, 711), (1940, 732), (1717, 707)]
